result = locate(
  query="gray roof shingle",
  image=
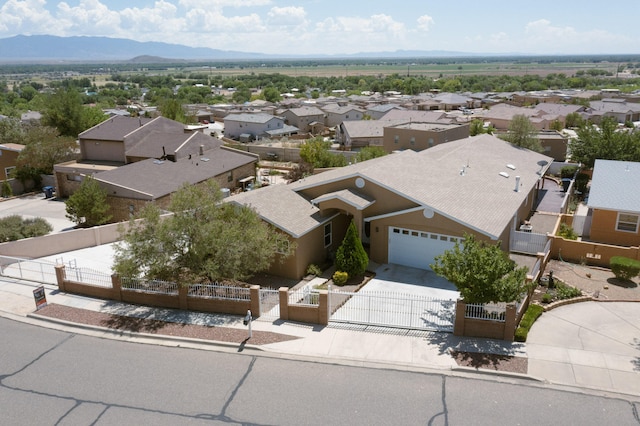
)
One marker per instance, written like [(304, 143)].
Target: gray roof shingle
[(614, 186)]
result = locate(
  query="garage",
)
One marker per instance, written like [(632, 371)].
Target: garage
[(417, 249)]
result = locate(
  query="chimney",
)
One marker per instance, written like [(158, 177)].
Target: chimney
[(517, 184)]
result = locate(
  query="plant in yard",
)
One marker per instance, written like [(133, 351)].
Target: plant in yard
[(6, 189), (314, 269), (482, 272), (624, 268), (529, 317), (565, 231), (351, 256), (88, 205), (547, 298), (14, 227), (340, 278), (564, 291)]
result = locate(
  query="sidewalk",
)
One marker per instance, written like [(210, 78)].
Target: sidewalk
[(601, 355), (347, 344)]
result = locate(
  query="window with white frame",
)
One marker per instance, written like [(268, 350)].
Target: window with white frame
[(627, 222), (327, 234), (8, 170)]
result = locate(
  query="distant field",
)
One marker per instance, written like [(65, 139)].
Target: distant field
[(101, 74)]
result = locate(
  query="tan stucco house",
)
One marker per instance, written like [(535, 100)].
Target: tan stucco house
[(409, 206), (9, 153), (614, 203)]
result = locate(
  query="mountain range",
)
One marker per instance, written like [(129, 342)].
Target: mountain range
[(47, 48)]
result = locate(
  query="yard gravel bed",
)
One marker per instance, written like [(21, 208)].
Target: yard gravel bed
[(141, 325)]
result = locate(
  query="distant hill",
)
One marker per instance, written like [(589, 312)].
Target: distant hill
[(47, 48)]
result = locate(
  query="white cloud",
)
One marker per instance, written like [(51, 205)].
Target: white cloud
[(27, 17), (219, 4), (290, 15), (90, 17), (425, 22)]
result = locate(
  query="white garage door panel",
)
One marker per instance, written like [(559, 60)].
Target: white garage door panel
[(415, 248)]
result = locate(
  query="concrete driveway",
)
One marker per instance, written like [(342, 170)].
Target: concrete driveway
[(33, 206), (403, 279), (589, 344)]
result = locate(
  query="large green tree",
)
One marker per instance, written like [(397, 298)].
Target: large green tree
[(45, 148), (88, 205), (316, 152), (522, 133), (482, 273), (204, 239), (607, 142)]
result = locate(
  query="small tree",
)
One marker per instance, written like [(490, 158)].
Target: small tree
[(522, 133), (482, 273), (351, 256), (88, 205), (369, 153)]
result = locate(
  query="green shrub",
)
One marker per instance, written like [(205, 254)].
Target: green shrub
[(624, 268), (6, 189), (351, 256), (314, 269), (568, 171), (546, 298), (529, 317), (340, 278), (581, 182), (13, 228), (567, 232), (564, 291)]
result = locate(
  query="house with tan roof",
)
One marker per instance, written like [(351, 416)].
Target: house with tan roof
[(409, 206), (303, 117)]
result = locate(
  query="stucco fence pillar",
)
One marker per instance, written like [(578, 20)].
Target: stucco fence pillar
[(487, 328)]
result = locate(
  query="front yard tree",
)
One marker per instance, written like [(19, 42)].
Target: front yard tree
[(482, 273), (351, 256), (204, 240), (522, 133), (88, 205)]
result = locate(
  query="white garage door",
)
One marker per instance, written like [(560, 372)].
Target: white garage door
[(417, 249)]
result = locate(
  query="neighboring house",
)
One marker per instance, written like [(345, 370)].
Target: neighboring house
[(143, 160), (500, 116), (336, 114), (554, 144), (619, 109), (31, 117), (304, 117), (359, 134), (420, 136), (614, 203), (376, 112), (131, 187), (8, 158), (453, 101), (408, 207), (255, 126)]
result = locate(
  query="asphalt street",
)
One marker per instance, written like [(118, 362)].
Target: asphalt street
[(54, 377)]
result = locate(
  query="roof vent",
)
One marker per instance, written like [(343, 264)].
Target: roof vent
[(511, 166), (205, 159), (504, 174)]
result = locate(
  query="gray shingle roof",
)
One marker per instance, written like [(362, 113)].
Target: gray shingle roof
[(479, 198), (160, 178), (115, 128), (614, 186)]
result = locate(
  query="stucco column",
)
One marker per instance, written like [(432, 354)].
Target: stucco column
[(458, 325), (284, 303), (510, 323), (323, 307), (60, 275), (116, 283), (254, 294)]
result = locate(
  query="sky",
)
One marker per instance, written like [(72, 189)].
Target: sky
[(342, 26)]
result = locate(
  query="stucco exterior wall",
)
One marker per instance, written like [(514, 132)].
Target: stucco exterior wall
[(423, 139), (603, 230), (97, 150)]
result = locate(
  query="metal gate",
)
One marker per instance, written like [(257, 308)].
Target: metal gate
[(269, 303), (390, 309), (28, 269)]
